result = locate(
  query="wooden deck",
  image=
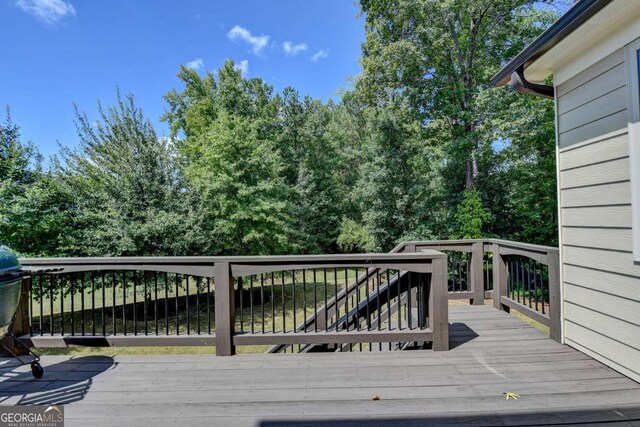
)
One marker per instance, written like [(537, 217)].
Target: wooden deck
[(492, 352)]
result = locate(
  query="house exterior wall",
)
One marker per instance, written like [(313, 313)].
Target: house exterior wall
[(601, 283)]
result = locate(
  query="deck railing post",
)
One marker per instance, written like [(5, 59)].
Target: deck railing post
[(224, 306), (499, 278), (439, 305), (409, 248), (555, 321), (477, 276)]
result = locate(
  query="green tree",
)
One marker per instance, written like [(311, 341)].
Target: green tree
[(126, 186)]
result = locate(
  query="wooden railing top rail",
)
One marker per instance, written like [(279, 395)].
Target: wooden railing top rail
[(501, 242), (241, 265)]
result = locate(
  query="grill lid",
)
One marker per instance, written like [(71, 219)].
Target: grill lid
[(8, 261)]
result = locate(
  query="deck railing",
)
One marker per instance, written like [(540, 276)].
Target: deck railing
[(301, 303), (321, 300), (514, 275)]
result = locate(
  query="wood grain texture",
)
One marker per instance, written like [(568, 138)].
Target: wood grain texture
[(492, 352)]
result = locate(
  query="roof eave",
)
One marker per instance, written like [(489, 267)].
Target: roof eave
[(565, 25)]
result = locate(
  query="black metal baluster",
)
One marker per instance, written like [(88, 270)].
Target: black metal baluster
[(82, 303), (378, 302), (73, 313), (544, 284), (304, 297), (366, 276), (388, 302), (187, 312), (93, 304), (198, 283), (358, 304), (135, 303), (30, 293), (40, 280), (335, 298), (293, 298), (529, 280), (177, 304), (251, 303), (262, 299), (240, 289), (53, 283), (124, 303), (273, 304), (113, 307), (535, 283), (209, 305), (399, 303), (326, 299), (155, 303), (146, 303), (315, 301), (104, 304), (284, 307), (409, 316), (166, 304)]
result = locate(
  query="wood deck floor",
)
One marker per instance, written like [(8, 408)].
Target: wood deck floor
[(492, 353)]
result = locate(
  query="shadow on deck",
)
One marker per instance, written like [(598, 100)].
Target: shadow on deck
[(492, 353)]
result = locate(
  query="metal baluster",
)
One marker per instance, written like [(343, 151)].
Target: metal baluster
[(73, 313), (209, 305), (315, 301), (198, 283), (346, 299), (388, 302), (251, 302), (82, 303), (188, 313), (40, 280), (93, 304), (273, 304), (409, 316), (240, 289), (326, 308), (529, 280), (30, 293), (166, 304), (335, 297), (293, 292), (284, 307), (177, 305), (366, 291), (399, 305), (155, 303), (358, 304), (146, 302), (535, 283), (124, 303), (113, 307), (135, 303), (304, 297), (104, 303), (262, 299), (53, 283), (544, 284)]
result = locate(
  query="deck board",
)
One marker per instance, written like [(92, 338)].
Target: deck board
[(492, 353)]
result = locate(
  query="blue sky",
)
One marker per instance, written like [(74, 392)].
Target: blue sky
[(57, 52)]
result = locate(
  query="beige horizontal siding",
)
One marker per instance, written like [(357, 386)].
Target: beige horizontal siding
[(611, 352), (598, 173), (600, 149), (593, 129), (601, 85), (594, 110), (597, 195), (601, 283), (601, 259), (607, 304), (618, 239), (591, 73), (598, 216)]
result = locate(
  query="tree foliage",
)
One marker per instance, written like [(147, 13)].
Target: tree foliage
[(422, 147)]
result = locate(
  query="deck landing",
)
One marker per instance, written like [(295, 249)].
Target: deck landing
[(492, 353)]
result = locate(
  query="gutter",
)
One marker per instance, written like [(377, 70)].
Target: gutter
[(565, 25)]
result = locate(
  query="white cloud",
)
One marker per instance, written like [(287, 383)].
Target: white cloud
[(48, 11), (321, 54), (293, 49), (257, 42), (196, 64), (243, 66)]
